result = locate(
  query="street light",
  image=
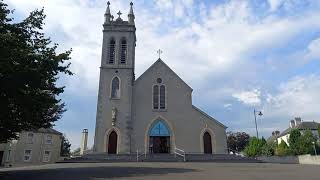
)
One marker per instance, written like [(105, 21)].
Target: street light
[(314, 147), (255, 119)]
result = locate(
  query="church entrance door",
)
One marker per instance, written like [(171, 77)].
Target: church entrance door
[(207, 146), (159, 137), (160, 144), (112, 143)]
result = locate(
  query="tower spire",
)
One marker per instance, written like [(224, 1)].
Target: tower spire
[(107, 15), (131, 14)]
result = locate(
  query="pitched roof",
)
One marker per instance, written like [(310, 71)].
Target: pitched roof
[(272, 138), (160, 61), (208, 116), (47, 130), (302, 126)]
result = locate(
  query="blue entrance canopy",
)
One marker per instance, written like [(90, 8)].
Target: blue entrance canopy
[(159, 129)]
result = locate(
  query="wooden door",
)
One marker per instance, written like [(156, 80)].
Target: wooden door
[(1, 157), (207, 146), (112, 143)]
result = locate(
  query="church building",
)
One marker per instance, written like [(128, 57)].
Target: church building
[(153, 113)]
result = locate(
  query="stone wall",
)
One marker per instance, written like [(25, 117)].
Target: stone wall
[(302, 159)]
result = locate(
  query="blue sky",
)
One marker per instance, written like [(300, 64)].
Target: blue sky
[(237, 55)]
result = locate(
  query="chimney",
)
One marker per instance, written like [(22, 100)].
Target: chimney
[(84, 141), (273, 133), (297, 121), (292, 124), (277, 133)]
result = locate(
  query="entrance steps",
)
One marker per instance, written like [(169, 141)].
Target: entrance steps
[(104, 157)]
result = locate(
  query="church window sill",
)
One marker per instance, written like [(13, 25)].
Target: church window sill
[(159, 110)]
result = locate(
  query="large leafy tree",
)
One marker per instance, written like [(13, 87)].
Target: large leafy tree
[(237, 141), (29, 69)]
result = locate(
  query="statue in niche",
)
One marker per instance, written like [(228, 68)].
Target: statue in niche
[(114, 115)]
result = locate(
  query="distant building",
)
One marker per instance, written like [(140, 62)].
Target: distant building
[(297, 123), (274, 137), (32, 147)]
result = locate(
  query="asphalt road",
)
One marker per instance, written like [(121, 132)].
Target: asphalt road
[(155, 171)]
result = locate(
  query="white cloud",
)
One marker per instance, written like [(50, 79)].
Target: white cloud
[(250, 98), (297, 97), (275, 4), (314, 50), (227, 106)]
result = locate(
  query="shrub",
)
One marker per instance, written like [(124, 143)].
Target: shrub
[(294, 141), (254, 147), (282, 149), (305, 145), (267, 149)]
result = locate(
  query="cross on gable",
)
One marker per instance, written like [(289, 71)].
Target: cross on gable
[(159, 52), (119, 13)]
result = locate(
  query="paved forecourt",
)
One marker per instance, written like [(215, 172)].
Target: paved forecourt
[(154, 171)]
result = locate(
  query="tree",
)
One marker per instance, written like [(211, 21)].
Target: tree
[(282, 149), (65, 147), (76, 152), (29, 69), (237, 141), (254, 148), (305, 143), (294, 141), (319, 132)]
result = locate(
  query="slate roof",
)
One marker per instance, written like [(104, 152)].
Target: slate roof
[(163, 63), (208, 116), (272, 138), (47, 130), (302, 126)]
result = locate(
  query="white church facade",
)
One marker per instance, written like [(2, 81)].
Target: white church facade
[(151, 114)]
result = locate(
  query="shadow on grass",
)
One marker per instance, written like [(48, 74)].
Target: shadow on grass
[(89, 173)]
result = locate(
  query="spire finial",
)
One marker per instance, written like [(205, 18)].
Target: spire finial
[(107, 15), (159, 52), (131, 15)]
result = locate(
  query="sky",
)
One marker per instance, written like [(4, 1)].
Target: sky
[(237, 55)]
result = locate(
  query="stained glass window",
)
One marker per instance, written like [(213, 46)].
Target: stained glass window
[(159, 129)]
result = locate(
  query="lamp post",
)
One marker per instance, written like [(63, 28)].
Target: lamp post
[(255, 119), (314, 147)]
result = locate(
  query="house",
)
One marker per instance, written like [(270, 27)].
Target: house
[(302, 126), (32, 147)]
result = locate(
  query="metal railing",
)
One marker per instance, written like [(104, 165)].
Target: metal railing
[(180, 152), (141, 154)]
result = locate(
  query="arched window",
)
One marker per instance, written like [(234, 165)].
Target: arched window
[(162, 97), (159, 129), (123, 51), (112, 48), (159, 95), (115, 88), (155, 97)]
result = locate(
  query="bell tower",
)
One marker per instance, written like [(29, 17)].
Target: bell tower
[(114, 114)]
